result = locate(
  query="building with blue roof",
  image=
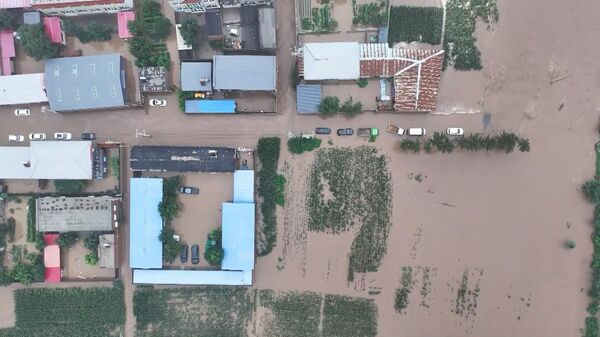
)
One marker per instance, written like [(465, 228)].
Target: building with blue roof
[(243, 186), (210, 106), (238, 236), (145, 223)]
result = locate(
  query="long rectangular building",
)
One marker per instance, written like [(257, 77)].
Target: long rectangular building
[(76, 214), (182, 159)]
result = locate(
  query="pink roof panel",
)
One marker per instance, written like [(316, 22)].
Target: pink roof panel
[(52, 256), (122, 19), (52, 275), (50, 239), (7, 43), (15, 3), (53, 29)]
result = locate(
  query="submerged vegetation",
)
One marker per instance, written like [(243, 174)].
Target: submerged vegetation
[(410, 24), (357, 184), (268, 157)]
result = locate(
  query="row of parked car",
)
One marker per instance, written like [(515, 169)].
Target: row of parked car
[(183, 256), (391, 129), (57, 136)]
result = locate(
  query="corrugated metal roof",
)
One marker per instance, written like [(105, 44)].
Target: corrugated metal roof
[(213, 27), (266, 21), (331, 61), (22, 89), (383, 34), (85, 82), (244, 72), (53, 29), (210, 106), (308, 98), (196, 76), (31, 18), (123, 19), (238, 236), (47, 160), (145, 249), (74, 214), (243, 186), (15, 4), (193, 277)]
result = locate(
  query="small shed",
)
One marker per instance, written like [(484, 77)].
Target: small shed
[(210, 106), (308, 98), (123, 19), (31, 18), (54, 30)]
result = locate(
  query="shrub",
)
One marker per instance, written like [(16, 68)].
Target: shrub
[(591, 327), (410, 145), (31, 232), (91, 259), (40, 244), (37, 263), (351, 109), (23, 273), (362, 83), (92, 242), (190, 32), (268, 157), (213, 250), (169, 207), (442, 142), (591, 190), (569, 244), (280, 193), (66, 240), (300, 145), (182, 96), (92, 32), (371, 14), (115, 166), (69, 187), (171, 247), (216, 44), (329, 106), (10, 228), (8, 19)]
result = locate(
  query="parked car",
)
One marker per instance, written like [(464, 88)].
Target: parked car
[(158, 102), (183, 256), (22, 112), (391, 128), (88, 136), (455, 131), (195, 254), (62, 136), (37, 136), (234, 32), (416, 132), (345, 132), (322, 131), (16, 138), (188, 190)]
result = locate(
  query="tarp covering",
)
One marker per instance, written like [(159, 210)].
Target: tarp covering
[(210, 106), (193, 277), (238, 236), (145, 249)]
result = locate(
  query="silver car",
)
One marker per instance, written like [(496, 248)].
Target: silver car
[(62, 136), (16, 138), (37, 136)]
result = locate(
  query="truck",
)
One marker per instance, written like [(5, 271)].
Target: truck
[(391, 128), (367, 132)]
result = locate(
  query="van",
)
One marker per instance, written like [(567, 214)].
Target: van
[(416, 132)]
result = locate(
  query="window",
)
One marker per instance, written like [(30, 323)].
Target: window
[(57, 71), (76, 94), (58, 95), (93, 69), (111, 67), (75, 71), (113, 91), (94, 92)]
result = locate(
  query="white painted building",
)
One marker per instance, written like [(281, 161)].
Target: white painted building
[(78, 7), (193, 6)]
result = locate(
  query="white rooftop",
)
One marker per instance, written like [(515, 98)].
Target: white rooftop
[(331, 61), (22, 89)]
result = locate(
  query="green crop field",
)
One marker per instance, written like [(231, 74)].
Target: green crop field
[(71, 312), (421, 24)]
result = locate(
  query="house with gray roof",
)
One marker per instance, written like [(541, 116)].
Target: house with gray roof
[(196, 76), (85, 82), (244, 72)]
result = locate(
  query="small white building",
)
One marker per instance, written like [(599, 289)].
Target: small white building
[(22, 89)]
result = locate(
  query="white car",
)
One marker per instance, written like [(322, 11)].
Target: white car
[(22, 112), (455, 131), (416, 132), (37, 136), (16, 138), (158, 102), (234, 32), (62, 136)]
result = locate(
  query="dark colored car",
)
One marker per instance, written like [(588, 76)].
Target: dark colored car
[(184, 253), (322, 131), (195, 254), (188, 190), (345, 132), (88, 136)]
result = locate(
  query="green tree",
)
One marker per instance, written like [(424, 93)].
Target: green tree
[(8, 19), (92, 242), (191, 32), (170, 246), (329, 106), (442, 142), (91, 259), (66, 240), (22, 273), (410, 145), (40, 244), (213, 251), (351, 109), (36, 44), (362, 83), (523, 144), (591, 190), (569, 244)]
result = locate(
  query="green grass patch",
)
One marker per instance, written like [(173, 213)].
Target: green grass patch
[(459, 40), (280, 193), (357, 184), (421, 24), (268, 158), (91, 312), (69, 187)]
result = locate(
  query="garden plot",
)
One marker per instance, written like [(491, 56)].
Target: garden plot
[(416, 24), (219, 311), (72, 312), (350, 187)]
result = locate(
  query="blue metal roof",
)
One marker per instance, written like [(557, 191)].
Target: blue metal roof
[(244, 72), (85, 82), (238, 236), (308, 98), (192, 277), (192, 75), (243, 186), (145, 223), (383, 34), (210, 106)]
